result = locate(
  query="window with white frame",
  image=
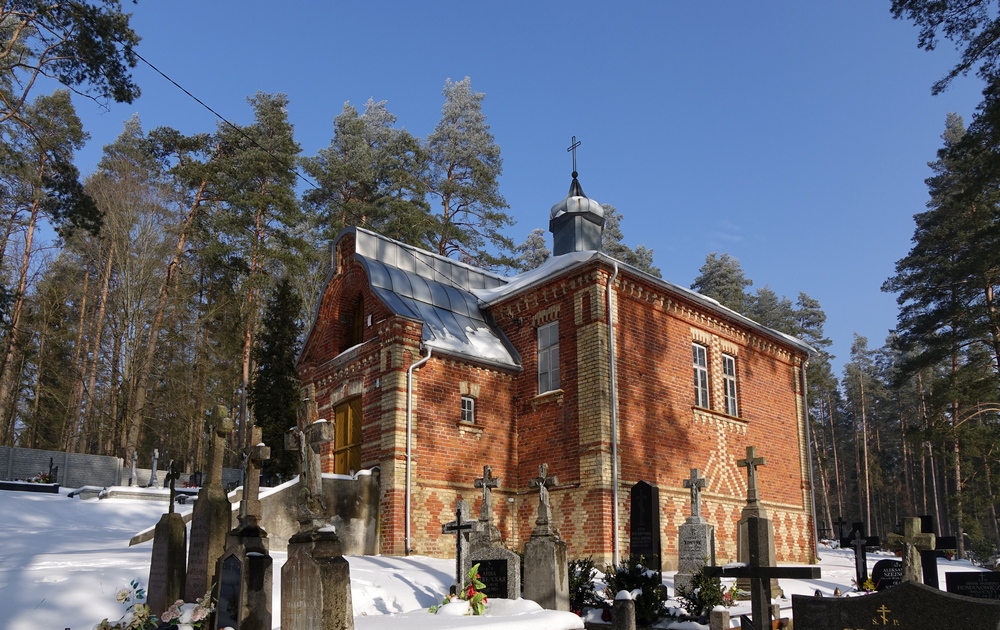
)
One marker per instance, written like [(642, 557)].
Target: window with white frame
[(729, 384), (468, 409), (700, 356), (548, 357)]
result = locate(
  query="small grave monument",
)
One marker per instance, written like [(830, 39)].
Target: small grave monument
[(694, 547), (244, 592), (460, 527), (753, 509), (486, 534), (909, 606), (546, 571), (212, 516), (887, 573), (911, 543), (316, 578), (167, 567), (978, 584), (644, 524), (154, 481), (860, 543)]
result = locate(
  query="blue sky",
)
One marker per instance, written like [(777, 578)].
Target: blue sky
[(794, 136)]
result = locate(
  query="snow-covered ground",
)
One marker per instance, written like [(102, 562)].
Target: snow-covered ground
[(62, 560)]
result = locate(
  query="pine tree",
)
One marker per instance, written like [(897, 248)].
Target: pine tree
[(463, 171), (274, 393), (768, 309), (612, 244), (533, 251), (722, 278)]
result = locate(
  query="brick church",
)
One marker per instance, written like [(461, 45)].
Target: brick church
[(431, 369)]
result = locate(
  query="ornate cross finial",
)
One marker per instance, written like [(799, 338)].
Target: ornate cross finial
[(750, 463), (572, 149), (487, 482), (696, 483), (543, 524)]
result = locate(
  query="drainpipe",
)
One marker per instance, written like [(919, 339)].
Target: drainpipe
[(812, 485), (409, 441), (614, 420)]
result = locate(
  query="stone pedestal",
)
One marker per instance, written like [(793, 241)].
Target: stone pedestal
[(546, 572), (694, 550), (718, 619), (623, 614), (167, 568), (245, 581), (743, 552), (316, 584)]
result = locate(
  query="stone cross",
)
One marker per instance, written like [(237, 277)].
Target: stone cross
[(696, 483), (172, 474), (253, 457), (911, 542), (220, 425), (750, 463), (457, 527), (154, 481), (487, 482), (306, 438), (543, 524)]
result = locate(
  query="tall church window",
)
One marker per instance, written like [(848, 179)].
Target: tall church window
[(700, 356), (729, 383), (548, 357), (468, 409), (347, 437)]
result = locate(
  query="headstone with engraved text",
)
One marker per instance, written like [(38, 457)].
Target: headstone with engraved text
[(979, 584)]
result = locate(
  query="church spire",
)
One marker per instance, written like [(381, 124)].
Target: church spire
[(577, 221)]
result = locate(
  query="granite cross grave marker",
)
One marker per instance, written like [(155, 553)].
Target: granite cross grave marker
[(911, 542), (546, 571)]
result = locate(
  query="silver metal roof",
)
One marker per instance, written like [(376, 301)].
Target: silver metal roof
[(436, 291)]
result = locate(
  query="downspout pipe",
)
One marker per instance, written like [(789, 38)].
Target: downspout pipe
[(409, 447), (613, 389), (812, 484)]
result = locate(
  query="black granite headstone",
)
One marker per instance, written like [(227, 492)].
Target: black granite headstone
[(493, 574), (980, 584), (887, 573), (909, 606), (228, 608), (644, 523)]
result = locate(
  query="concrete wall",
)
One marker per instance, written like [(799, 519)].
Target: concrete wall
[(75, 469), (352, 505)]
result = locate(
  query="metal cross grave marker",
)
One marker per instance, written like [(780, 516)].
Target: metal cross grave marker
[(457, 527)]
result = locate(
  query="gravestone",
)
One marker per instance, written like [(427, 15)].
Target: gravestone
[(978, 584), (316, 578), (212, 516), (546, 570), (911, 542), (887, 573), (760, 575), (460, 527), (154, 481), (167, 566), (486, 534), (754, 509), (860, 543), (909, 606), (644, 524), (694, 536), (928, 557), (499, 571), (244, 592)]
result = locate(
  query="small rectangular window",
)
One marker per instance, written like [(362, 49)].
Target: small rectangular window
[(729, 381), (700, 356), (548, 357), (468, 409)]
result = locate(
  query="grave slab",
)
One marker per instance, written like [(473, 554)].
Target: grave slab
[(978, 584)]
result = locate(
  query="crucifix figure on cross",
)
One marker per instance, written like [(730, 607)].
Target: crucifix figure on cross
[(543, 524), (751, 462), (696, 483), (487, 482), (306, 438)]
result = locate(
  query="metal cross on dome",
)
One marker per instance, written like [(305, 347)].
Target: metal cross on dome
[(572, 149)]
